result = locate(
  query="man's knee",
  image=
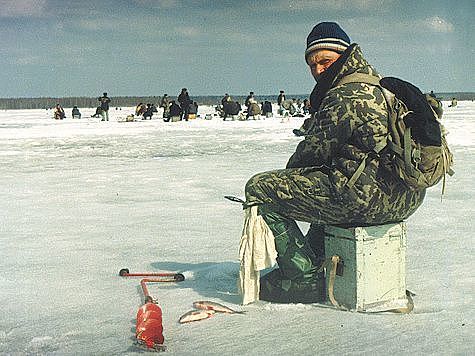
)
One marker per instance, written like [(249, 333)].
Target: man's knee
[(255, 180), (255, 189)]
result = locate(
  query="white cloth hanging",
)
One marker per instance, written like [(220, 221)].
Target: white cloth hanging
[(256, 252)]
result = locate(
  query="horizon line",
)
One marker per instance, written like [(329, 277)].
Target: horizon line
[(197, 95)]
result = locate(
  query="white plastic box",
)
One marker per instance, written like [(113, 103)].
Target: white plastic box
[(372, 273)]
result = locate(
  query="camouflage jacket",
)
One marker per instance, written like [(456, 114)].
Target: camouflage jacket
[(349, 125)]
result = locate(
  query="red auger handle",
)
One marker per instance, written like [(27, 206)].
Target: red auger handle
[(172, 276)]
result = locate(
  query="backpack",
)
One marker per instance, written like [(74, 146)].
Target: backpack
[(416, 151)]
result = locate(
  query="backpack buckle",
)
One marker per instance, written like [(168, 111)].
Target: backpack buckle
[(397, 105), (416, 156)]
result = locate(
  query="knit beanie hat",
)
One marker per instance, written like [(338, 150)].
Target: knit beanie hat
[(327, 35)]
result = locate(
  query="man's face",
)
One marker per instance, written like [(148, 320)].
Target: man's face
[(320, 60)]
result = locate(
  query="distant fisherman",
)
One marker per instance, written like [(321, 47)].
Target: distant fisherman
[(280, 102), (184, 100), (59, 112), (105, 101), (165, 104), (75, 113)]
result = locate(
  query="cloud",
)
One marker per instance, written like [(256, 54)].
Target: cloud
[(22, 8), (28, 60), (163, 4), (326, 5), (435, 24), (188, 31), (380, 31), (95, 25), (438, 24), (118, 27)]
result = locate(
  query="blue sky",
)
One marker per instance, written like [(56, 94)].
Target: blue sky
[(149, 47)]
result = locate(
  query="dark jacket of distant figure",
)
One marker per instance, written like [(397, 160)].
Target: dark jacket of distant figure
[(75, 112), (280, 98), (349, 126), (184, 100), (98, 112), (175, 109), (105, 101), (149, 111), (266, 107), (231, 108)]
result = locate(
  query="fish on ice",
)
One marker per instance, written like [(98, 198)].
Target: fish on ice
[(218, 308), (195, 315)]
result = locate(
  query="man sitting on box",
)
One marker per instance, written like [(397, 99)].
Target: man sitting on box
[(333, 178)]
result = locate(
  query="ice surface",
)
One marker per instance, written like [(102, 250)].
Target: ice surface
[(81, 199)]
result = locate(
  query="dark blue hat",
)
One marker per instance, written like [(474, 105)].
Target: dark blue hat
[(327, 35)]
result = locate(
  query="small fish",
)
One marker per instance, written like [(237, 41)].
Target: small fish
[(219, 308), (195, 315)]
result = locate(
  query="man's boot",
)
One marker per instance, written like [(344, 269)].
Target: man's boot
[(296, 280)]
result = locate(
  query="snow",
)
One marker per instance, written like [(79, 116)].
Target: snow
[(81, 199)]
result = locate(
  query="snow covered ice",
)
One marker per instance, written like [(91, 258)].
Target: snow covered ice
[(81, 199)]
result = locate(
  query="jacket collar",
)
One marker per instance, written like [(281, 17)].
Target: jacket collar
[(350, 61)]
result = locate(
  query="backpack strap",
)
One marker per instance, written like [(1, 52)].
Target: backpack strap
[(360, 78), (351, 182), (372, 80)]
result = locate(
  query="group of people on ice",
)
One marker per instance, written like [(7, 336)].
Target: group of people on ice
[(59, 114), (101, 111), (146, 111), (230, 108), (186, 109)]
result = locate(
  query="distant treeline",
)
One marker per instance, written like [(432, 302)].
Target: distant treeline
[(465, 95), (82, 102), (119, 101), (127, 101)]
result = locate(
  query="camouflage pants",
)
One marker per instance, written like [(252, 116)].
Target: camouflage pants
[(299, 194), (307, 194)]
